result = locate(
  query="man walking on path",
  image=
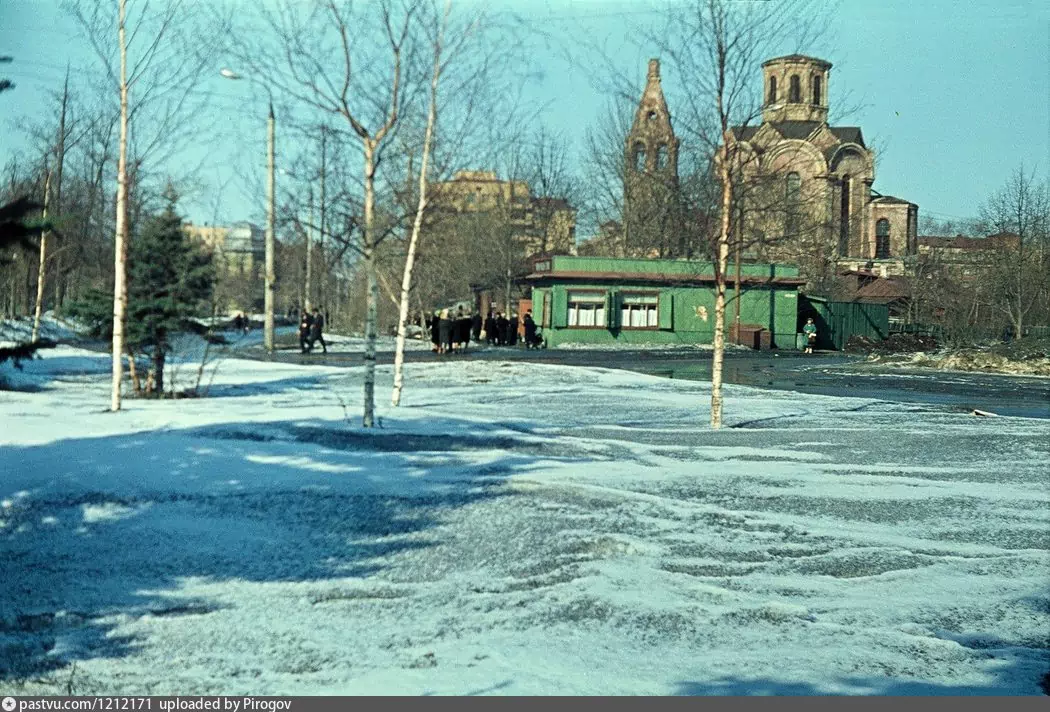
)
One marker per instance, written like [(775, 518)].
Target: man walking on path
[(810, 331), (316, 331)]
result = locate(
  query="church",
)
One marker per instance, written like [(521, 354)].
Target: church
[(805, 188)]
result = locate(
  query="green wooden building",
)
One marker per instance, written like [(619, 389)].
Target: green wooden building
[(597, 300)]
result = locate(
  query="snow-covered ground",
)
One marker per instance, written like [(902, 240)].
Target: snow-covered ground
[(20, 330), (513, 528)]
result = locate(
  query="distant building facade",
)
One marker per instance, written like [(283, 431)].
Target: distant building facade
[(541, 224), (239, 253)]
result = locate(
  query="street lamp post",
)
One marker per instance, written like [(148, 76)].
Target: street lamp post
[(270, 276), (270, 218)]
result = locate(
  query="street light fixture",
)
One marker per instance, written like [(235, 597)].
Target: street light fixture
[(271, 278)]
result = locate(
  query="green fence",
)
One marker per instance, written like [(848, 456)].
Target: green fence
[(838, 321)]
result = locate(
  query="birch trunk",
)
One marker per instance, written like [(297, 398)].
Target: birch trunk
[(410, 259), (120, 286), (43, 259), (60, 160), (372, 294), (720, 294)]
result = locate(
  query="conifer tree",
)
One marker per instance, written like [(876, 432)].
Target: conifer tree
[(170, 280)]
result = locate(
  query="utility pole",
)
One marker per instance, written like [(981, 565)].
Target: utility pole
[(270, 217), (324, 262), (309, 248)]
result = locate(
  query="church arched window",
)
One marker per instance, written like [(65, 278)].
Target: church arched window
[(639, 157), (772, 90), (882, 239), (792, 189), (661, 156), (795, 90), (816, 89)]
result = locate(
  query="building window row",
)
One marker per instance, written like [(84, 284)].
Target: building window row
[(638, 310)]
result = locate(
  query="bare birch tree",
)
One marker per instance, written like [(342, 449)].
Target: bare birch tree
[(1018, 215), (717, 46), (43, 262), (165, 74), (406, 281)]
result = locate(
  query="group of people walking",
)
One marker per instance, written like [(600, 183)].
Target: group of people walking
[(311, 330), (452, 332)]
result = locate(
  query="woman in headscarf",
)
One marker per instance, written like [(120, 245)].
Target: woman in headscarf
[(445, 332)]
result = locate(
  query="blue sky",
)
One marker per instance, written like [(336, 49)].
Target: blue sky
[(954, 95)]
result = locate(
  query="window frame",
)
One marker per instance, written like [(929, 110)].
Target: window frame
[(818, 90), (772, 90), (639, 158), (625, 297), (882, 240), (795, 89), (603, 293)]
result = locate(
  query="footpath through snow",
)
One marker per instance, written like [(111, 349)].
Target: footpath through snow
[(513, 528)]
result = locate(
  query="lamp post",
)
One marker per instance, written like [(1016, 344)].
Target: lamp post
[(270, 278)]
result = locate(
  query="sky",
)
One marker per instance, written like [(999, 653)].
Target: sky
[(954, 96)]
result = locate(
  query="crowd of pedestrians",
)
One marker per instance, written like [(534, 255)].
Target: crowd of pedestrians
[(452, 332)]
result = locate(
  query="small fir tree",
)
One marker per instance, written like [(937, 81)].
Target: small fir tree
[(170, 280)]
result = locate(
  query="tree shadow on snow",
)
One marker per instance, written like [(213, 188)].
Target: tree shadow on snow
[(1015, 669), (119, 524)]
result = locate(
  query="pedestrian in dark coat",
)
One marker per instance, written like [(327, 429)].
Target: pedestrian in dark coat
[(317, 331), (530, 331), (305, 322), (476, 323), (445, 332), (462, 330), (490, 329), (238, 322), (512, 331), (435, 332), (501, 329)]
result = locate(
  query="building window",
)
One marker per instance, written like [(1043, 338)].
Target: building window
[(844, 218), (772, 90), (882, 239), (586, 309), (640, 311), (795, 90), (651, 116), (661, 156), (792, 189), (639, 157), (816, 90)]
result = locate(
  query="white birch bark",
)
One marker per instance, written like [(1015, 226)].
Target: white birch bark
[(410, 259), (43, 258), (372, 294), (120, 286)]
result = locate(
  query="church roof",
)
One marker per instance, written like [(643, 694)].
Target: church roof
[(798, 58), (802, 130), (891, 199)]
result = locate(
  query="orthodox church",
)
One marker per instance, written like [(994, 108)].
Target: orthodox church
[(807, 194)]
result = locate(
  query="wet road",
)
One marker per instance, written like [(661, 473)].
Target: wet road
[(822, 374)]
